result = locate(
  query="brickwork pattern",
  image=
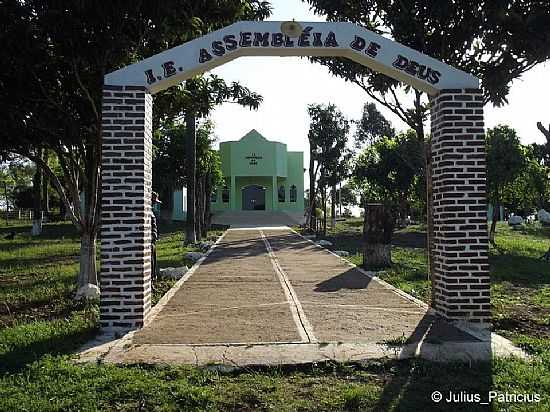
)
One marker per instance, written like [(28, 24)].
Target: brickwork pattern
[(125, 207), (460, 245)]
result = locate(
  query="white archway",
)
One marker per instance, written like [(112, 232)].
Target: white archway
[(460, 244), (265, 38)]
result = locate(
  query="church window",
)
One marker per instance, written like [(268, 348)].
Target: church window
[(225, 194), (281, 194), (293, 194)]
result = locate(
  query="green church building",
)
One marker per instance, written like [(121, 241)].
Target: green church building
[(259, 175)]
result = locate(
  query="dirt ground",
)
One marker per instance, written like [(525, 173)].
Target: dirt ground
[(237, 296)]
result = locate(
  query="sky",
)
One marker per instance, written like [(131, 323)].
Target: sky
[(289, 84)]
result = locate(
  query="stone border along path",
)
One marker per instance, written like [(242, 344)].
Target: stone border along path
[(326, 325)]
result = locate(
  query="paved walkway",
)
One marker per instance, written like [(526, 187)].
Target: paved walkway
[(270, 285), (269, 296)]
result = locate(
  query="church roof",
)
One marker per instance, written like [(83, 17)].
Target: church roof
[(253, 135)]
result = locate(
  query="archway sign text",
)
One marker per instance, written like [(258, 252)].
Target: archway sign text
[(265, 38)]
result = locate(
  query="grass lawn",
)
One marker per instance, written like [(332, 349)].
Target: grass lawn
[(40, 326)]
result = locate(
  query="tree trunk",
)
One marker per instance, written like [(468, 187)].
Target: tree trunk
[(45, 195), (205, 211), (325, 208), (377, 234), (85, 216), (208, 216), (62, 211), (333, 209), (37, 203), (168, 205), (200, 210), (377, 255), (496, 216), (340, 200), (203, 208), (45, 182), (191, 166), (429, 216), (544, 131), (207, 207), (311, 222), (403, 210), (88, 267), (7, 204)]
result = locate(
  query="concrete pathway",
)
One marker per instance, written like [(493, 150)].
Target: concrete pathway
[(271, 296), (235, 296)]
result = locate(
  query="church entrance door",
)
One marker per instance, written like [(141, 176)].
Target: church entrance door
[(254, 197)]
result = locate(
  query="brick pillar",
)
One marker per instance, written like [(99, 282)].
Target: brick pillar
[(125, 207), (460, 245)]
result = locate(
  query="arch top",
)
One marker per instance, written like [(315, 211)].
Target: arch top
[(267, 38)]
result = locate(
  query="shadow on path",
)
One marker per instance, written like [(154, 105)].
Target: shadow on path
[(346, 280)]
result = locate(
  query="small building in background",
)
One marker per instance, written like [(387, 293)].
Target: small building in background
[(179, 204), (259, 175)]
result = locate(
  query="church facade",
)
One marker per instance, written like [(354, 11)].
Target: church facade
[(259, 174)]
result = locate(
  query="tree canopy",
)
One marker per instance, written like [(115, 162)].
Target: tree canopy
[(328, 135), (388, 169), (496, 40), (505, 162), (51, 95), (372, 126)]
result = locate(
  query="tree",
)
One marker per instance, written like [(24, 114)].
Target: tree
[(37, 199), (497, 41), (530, 190), (209, 176), (505, 161), (542, 151), (15, 176), (372, 126), (54, 102), (386, 171), (347, 196), (168, 159), (337, 171), (544, 131), (328, 134)]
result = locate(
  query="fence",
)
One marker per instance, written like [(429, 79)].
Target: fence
[(18, 216)]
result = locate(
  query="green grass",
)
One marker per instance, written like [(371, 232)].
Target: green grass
[(41, 326), (38, 314), (55, 384), (37, 275)]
